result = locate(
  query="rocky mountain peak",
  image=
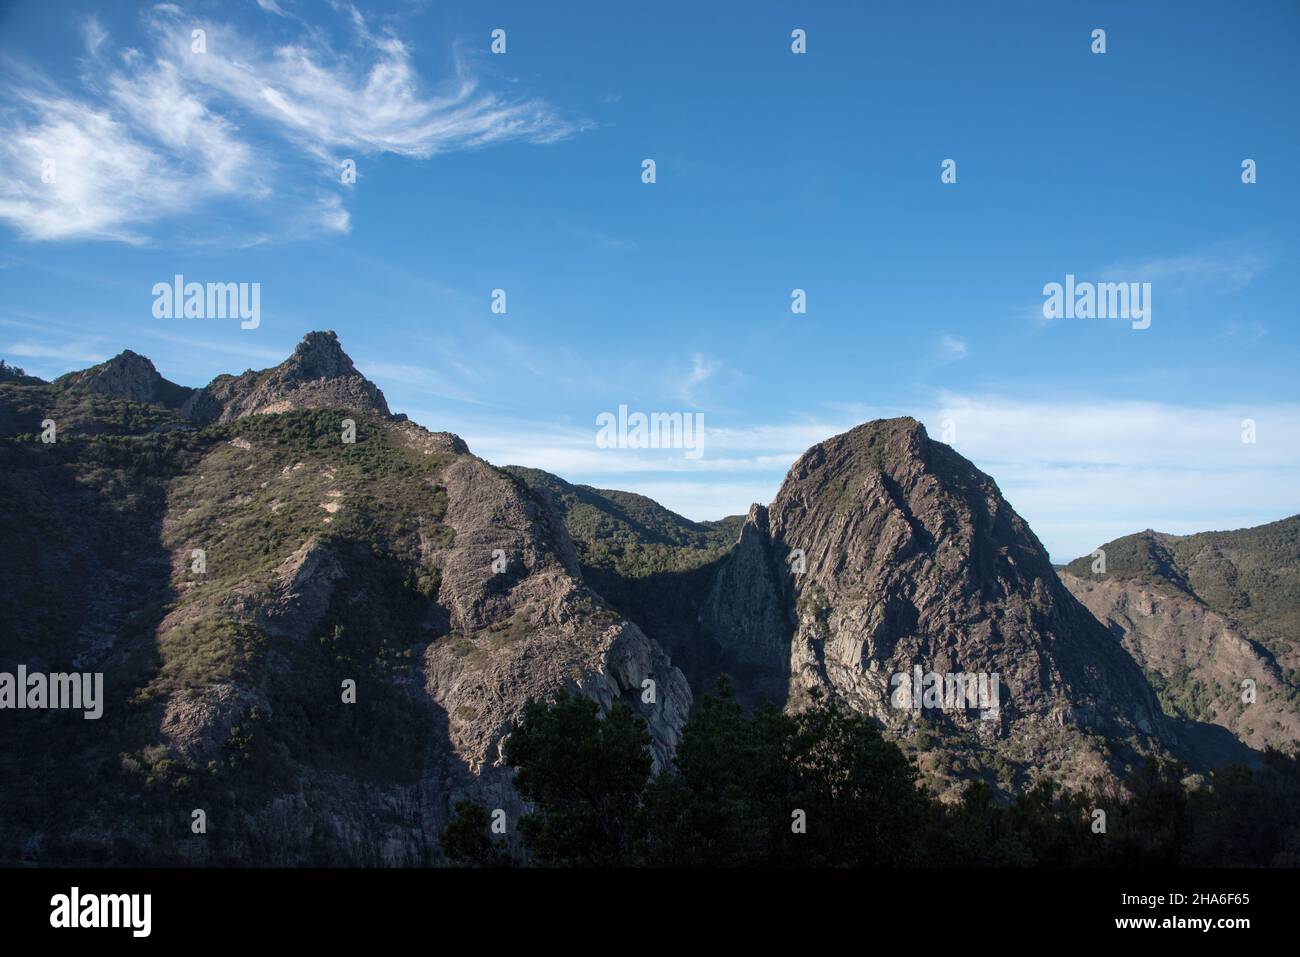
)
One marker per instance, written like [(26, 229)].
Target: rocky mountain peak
[(128, 369), (128, 375), (319, 374), (885, 550), (899, 449), (320, 356)]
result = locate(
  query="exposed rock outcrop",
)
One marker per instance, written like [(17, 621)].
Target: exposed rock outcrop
[(319, 374), (521, 624), (129, 376), (885, 550)]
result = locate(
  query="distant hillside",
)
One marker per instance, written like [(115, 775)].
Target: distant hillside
[(1202, 613), (1251, 575)]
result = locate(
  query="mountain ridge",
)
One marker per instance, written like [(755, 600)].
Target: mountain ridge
[(239, 579), (451, 592)]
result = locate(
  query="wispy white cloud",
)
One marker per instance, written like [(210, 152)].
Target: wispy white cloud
[(1243, 331), (77, 172), (67, 352), (333, 215), (270, 6), (702, 370), (1221, 268), (151, 135), (952, 349), (331, 102), (1084, 472), (94, 35), (420, 380), (603, 240), (199, 350), (1230, 266)]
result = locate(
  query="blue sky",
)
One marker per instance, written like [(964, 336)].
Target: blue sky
[(775, 171)]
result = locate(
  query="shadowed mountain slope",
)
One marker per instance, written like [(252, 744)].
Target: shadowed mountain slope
[(319, 643), (652, 564)]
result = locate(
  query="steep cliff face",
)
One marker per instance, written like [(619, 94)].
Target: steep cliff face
[(885, 551), (320, 644), (521, 623), (748, 614), (1211, 618)]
